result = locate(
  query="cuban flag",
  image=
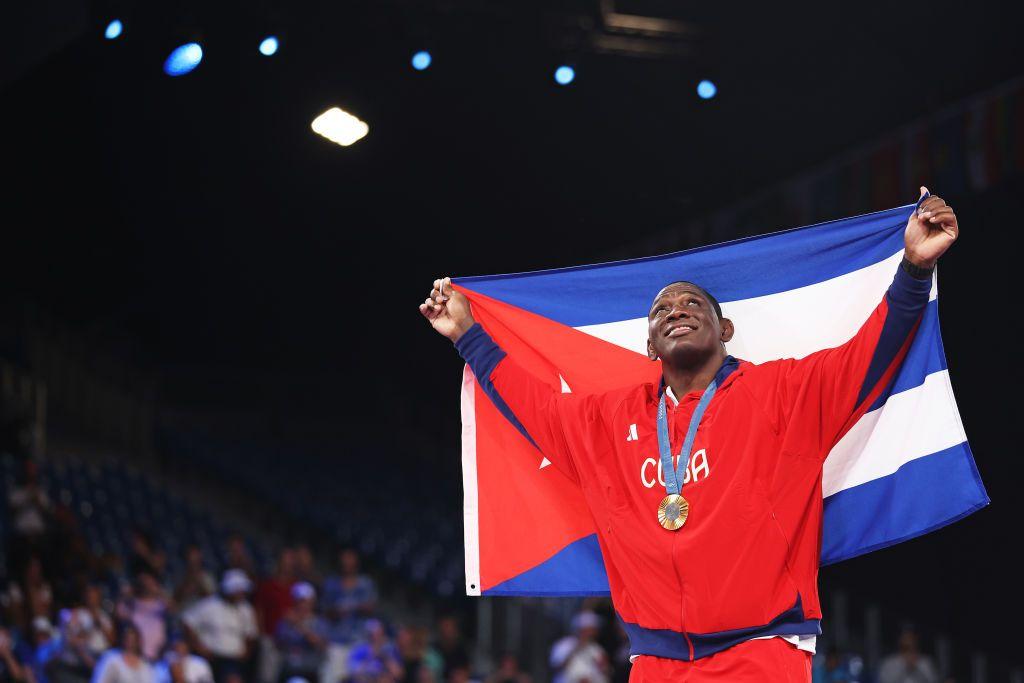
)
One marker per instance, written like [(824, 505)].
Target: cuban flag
[(584, 329)]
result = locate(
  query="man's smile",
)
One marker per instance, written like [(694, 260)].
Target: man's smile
[(680, 330)]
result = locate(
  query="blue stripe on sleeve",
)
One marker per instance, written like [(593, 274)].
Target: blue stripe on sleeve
[(478, 349), (924, 357), (907, 297)]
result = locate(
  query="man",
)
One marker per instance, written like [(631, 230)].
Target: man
[(376, 660), (301, 636), (350, 597), (730, 594), (196, 581), (222, 629), (451, 645), (274, 593), (908, 665), (578, 658)]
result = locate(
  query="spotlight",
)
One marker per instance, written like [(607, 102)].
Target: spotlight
[(564, 75), (113, 30), (706, 89), (183, 59), (340, 127), (421, 60), (269, 46)]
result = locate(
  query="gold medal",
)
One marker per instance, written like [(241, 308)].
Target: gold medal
[(673, 511)]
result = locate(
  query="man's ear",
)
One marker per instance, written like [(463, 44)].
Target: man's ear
[(651, 353), (728, 329)]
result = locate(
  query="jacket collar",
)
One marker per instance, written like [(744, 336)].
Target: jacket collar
[(729, 366)]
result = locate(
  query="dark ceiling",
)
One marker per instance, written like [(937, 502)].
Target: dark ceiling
[(202, 217)]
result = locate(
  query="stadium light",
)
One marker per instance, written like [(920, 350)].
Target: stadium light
[(340, 127), (113, 30), (269, 46), (564, 75), (183, 59), (421, 60), (706, 89)]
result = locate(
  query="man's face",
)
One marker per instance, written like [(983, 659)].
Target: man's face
[(349, 562), (682, 325)]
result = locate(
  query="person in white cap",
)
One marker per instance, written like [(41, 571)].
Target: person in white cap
[(222, 628), (579, 657)]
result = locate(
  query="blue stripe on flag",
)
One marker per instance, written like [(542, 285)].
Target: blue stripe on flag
[(903, 505), (575, 570), (588, 295)]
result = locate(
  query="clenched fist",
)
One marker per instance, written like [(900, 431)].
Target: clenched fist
[(447, 310), (930, 231)]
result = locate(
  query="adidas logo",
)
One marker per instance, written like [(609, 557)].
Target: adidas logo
[(631, 435)]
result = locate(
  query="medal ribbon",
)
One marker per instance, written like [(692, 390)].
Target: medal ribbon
[(672, 482)]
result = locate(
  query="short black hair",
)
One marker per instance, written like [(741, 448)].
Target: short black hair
[(705, 293)]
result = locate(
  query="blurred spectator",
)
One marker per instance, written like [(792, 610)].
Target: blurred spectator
[(305, 566), (908, 665), (419, 660), (45, 647), (126, 664), (274, 594), (29, 598), (301, 636), (461, 674), (30, 517), (196, 582), (111, 574), (222, 628), (834, 670), (179, 665), (376, 660), (12, 669), (578, 658), (145, 558), (236, 555), (147, 610), (87, 631), (349, 598), (508, 671), (450, 645)]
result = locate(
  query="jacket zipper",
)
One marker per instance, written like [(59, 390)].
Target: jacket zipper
[(682, 601), (679, 578)]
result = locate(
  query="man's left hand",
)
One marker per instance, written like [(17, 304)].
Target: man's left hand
[(930, 231)]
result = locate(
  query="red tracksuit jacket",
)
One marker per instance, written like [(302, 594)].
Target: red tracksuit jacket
[(745, 564)]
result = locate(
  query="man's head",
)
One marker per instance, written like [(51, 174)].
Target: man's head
[(685, 325), (286, 562), (303, 598), (235, 585), (586, 625), (348, 561)]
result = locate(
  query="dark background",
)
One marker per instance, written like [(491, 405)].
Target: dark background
[(199, 227)]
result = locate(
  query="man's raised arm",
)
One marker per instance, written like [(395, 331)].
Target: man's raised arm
[(827, 391), (542, 414)]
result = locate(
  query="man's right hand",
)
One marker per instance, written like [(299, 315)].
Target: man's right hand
[(447, 310)]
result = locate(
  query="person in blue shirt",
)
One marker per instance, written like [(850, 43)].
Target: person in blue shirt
[(349, 598), (301, 636)]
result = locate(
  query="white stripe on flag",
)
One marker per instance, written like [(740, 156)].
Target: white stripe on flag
[(790, 324), (470, 499), (912, 424)]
